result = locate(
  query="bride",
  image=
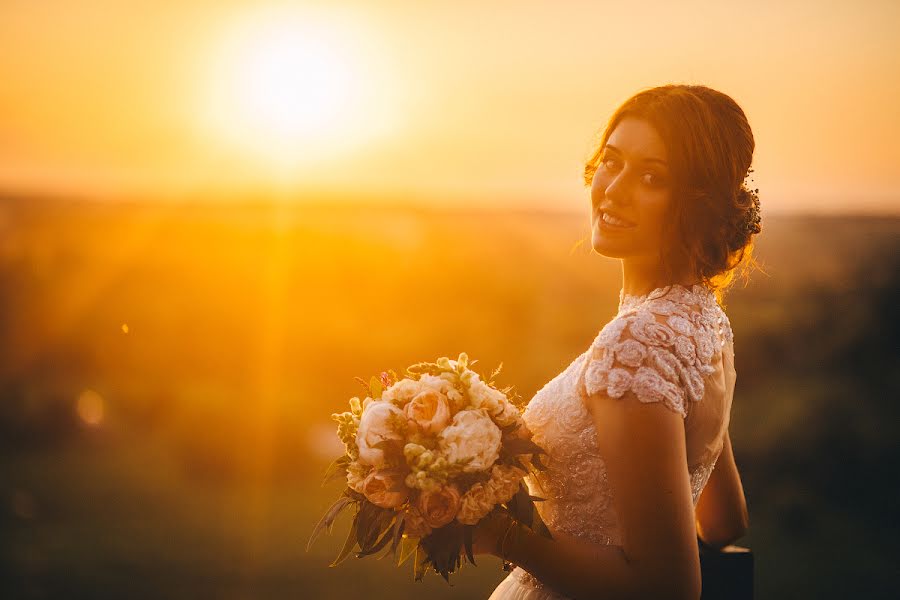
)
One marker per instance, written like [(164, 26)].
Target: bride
[(636, 428)]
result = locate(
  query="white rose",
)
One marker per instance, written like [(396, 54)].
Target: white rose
[(472, 438), (379, 423), (493, 401)]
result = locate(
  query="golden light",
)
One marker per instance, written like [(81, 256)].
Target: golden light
[(294, 87), (90, 407)]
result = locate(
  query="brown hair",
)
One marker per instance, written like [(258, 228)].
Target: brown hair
[(714, 215)]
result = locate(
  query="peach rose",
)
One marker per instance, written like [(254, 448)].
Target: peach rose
[(385, 488), (414, 525), (429, 410), (440, 506)]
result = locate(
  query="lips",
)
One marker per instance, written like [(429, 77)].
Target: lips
[(612, 220)]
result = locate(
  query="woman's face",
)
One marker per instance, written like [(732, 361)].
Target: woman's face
[(631, 188)]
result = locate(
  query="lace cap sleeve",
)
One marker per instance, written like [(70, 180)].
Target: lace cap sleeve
[(656, 357)]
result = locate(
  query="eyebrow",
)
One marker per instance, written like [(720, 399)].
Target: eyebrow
[(646, 160)]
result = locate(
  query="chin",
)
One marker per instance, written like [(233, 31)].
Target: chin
[(603, 246)]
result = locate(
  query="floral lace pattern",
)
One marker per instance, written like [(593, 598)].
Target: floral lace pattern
[(659, 347)]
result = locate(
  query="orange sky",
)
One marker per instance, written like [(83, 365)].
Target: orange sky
[(441, 101)]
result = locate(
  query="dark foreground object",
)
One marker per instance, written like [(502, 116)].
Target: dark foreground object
[(727, 573)]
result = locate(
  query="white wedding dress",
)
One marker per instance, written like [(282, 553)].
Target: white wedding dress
[(674, 346)]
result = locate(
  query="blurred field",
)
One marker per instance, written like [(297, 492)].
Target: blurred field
[(168, 371)]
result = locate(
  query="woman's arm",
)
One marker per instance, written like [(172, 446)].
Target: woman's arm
[(644, 450), (721, 512)]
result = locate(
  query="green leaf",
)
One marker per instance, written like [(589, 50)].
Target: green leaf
[(399, 526), (520, 446), (354, 494), (525, 506), (328, 518), (443, 547), (540, 527), (337, 468), (365, 529), (373, 522), (408, 547), (386, 536), (468, 532), (421, 563), (349, 543)]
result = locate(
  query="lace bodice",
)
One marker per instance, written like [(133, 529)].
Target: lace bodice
[(674, 346)]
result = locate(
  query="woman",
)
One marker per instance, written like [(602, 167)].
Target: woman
[(636, 428)]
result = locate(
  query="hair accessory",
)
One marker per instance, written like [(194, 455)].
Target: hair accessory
[(752, 224)]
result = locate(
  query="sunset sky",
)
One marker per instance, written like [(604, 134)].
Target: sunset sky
[(459, 102)]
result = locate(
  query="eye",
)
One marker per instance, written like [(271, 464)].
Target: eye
[(653, 180), (606, 160)]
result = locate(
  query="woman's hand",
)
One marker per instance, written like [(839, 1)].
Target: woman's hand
[(489, 533)]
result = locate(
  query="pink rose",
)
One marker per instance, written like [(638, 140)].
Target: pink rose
[(385, 488), (429, 410), (440, 506)]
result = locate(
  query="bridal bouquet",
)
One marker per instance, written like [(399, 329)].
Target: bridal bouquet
[(427, 457)]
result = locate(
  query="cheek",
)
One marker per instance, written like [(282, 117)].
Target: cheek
[(598, 189), (655, 214)]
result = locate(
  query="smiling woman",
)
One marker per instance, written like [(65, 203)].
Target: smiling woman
[(291, 88)]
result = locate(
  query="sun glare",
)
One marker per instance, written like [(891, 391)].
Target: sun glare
[(292, 86), (296, 88)]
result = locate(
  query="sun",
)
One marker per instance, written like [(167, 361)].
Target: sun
[(292, 85), (294, 88)]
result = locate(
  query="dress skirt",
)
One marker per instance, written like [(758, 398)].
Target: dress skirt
[(519, 585)]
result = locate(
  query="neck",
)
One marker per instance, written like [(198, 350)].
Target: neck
[(641, 276)]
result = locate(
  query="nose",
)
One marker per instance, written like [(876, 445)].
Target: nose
[(616, 191)]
